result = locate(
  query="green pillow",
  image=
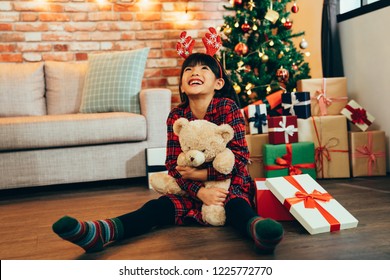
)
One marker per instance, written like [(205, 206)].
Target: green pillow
[(113, 82)]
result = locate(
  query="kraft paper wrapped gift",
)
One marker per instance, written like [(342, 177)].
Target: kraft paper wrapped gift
[(282, 130), (368, 153), (296, 104), (255, 145), (315, 209), (155, 162), (330, 137), (267, 205), (289, 159), (358, 115), (328, 95), (257, 119)]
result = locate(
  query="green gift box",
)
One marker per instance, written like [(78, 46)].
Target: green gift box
[(289, 159)]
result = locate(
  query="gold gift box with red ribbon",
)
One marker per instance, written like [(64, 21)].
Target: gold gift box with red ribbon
[(330, 137), (358, 115), (328, 95), (368, 153), (315, 209)]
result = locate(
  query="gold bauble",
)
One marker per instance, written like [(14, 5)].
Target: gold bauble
[(237, 88), (264, 58)]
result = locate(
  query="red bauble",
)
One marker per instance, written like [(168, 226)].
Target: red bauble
[(287, 24), (245, 27), (241, 49), (295, 8), (237, 2), (282, 75)]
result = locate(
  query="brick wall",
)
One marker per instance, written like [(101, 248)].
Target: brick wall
[(67, 30)]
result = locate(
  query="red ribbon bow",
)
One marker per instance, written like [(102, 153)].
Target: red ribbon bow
[(358, 115), (286, 162), (311, 201)]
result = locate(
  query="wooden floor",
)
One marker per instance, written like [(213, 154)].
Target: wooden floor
[(27, 216)]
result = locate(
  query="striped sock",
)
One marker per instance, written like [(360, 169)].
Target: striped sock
[(90, 235), (266, 233)]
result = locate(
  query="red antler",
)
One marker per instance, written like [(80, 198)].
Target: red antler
[(185, 45), (212, 41)]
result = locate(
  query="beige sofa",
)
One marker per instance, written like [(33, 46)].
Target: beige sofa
[(44, 140)]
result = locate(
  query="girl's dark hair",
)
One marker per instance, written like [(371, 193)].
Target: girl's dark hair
[(204, 59)]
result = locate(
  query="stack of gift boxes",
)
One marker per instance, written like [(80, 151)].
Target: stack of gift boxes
[(320, 134)]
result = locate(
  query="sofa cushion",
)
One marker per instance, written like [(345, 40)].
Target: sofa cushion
[(113, 82), (64, 86), (20, 133), (22, 89)]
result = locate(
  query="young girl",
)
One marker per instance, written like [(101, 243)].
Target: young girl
[(206, 93)]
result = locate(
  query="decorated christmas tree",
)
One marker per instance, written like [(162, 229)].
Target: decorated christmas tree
[(258, 50)]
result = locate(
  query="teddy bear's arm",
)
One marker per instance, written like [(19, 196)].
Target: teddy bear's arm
[(224, 162)]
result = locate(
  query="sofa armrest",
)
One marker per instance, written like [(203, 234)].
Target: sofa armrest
[(155, 106)]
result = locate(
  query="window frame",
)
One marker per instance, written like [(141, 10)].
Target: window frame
[(363, 9)]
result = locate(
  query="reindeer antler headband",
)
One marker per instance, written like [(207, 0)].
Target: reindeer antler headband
[(212, 42)]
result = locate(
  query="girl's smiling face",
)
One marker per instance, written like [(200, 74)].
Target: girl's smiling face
[(200, 79)]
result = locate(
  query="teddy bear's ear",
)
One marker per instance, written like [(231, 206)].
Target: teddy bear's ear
[(226, 132), (179, 124)]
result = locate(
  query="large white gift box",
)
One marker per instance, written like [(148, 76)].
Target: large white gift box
[(310, 204)]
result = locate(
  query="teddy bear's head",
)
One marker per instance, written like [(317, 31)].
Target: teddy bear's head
[(201, 140)]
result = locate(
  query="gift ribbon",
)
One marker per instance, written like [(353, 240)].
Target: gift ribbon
[(285, 162), (366, 151), (258, 159), (294, 102), (323, 151), (311, 201), (287, 130), (358, 115), (271, 101), (323, 101), (259, 119)]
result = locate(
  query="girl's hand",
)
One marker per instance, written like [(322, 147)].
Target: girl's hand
[(191, 173), (212, 196)]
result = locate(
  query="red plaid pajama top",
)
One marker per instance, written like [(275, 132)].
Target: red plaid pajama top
[(220, 111)]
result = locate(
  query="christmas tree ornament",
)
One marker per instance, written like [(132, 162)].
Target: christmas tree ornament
[(281, 54), (251, 5), (294, 67), (241, 48), (295, 8), (245, 27), (237, 2), (237, 88), (303, 44), (227, 30), (271, 15), (254, 27), (282, 75), (287, 24), (264, 58)]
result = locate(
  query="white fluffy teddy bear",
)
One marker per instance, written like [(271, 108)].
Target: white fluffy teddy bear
[(201, 141)]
